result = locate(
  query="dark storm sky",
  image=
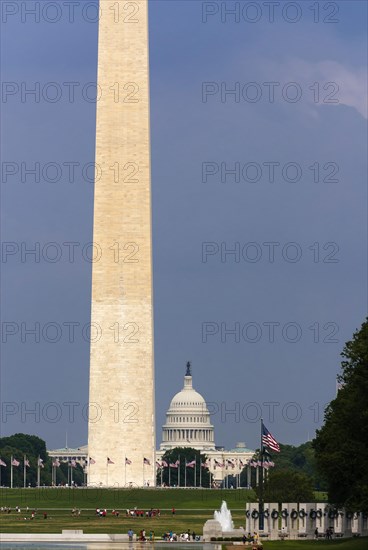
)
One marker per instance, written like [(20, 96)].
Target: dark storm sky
[(295, 289)]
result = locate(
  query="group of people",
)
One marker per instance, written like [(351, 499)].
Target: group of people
[(328, 533), (141, 513), (142, 535), (8, 510), (170, 536), (251, 538)]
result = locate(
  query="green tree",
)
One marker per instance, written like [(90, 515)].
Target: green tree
[(191, 477), (18, 446), (287, 486), (341, 444)]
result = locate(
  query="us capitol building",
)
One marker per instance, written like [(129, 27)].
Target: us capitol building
[(188, 424)]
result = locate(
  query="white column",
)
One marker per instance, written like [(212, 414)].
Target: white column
[(274, 522)]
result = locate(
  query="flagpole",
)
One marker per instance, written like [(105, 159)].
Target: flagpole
[(107, 472), (200, 471), (185, 473), (169, 476), (261, 503), (11, 472), (24, 471), (179, 472), (195, 472), (125, 472)]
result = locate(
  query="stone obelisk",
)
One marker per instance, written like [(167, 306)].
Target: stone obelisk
[(121, 433)]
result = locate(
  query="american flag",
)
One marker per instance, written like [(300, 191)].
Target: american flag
[(158, 464), (127, 461), (15, 462), (56, 463), (205, 464), (241, 463), (2, 463), (73, 463), (174, 464), (190, 464), (219, 464), (230, 463), (26, 463), (40, 463), (268, 440), (164, 464), (146, 461), (91, 461), (109, 461)]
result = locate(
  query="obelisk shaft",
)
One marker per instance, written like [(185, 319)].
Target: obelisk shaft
[(121, 412)]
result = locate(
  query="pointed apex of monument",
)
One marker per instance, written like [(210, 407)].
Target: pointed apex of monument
[(189, 369)]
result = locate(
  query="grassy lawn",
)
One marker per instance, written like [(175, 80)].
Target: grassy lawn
[(193, 508), (122, 499)]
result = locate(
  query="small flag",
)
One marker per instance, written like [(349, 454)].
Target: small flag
[(56, 463), (205, 464), (2, 463), (40, 463), (219, 464), (15, 462), (146, 461), (230, 463), (127, 461), (158, 464), (268, 440), (109, 461), (73, 463), (164, 464), (26, 463), (173, 465), (91, 461), (190, 464), (241, 463)]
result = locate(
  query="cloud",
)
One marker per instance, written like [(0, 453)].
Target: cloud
[(348, 85)]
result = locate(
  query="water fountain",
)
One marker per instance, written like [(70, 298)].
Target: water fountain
[(224, 517), (221, 526)]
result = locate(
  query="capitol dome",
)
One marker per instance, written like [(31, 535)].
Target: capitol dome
[(188, 422)]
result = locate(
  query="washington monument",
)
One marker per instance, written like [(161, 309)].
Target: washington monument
[(121, 433)]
